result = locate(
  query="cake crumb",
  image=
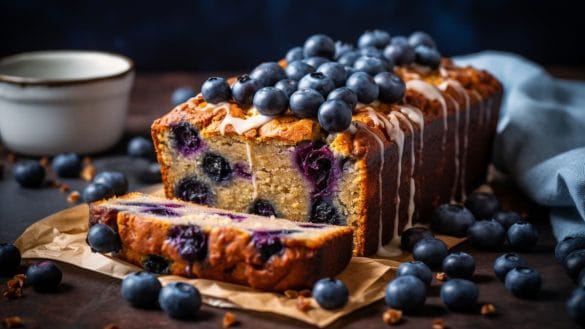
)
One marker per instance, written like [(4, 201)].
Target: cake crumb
[(229, 320), (303, 304), (305, 293), (292, 294), (11, 158), (64, 188), (488, 309), (14, 287), (441, 276), (44, 161), (73, 197), (12, 322), (88, 172), (392, 316), (111, 326), (439, 323), (53, 183)]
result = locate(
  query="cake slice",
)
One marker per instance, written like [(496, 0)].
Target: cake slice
[(181, 238)]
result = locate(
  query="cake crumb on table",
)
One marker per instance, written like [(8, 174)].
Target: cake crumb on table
[(392, 316), (229, 320), (44, 161), (303, 304), (12, 322), (64, 188), (88, 172), (439, 323), (305, 293), (291, 293), (73, 197), (488, 309), (14, 287), (441, 276)]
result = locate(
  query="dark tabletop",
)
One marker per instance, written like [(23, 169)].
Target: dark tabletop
[(91, 300)]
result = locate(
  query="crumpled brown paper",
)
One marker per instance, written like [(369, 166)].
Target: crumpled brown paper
[(61, 237)]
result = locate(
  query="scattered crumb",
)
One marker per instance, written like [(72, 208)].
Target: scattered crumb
[(111, 326), (441, 276), (229, 320), (14, 287), (86, 160), (11, 158), (53, 183), (44, 161), (392, 316), (64, 188), (439, 323), (291, 293), (303, 304), (488, 309), (88, 172), (305, 293), (73, 197), (12, 322)]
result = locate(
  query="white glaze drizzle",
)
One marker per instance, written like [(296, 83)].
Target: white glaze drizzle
[(415, 115), (431, 93), (242, 125), (251, 165), (411, 205)]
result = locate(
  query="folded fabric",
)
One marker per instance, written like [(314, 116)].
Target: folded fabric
[(541, 136)]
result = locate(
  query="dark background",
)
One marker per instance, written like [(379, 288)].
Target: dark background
[(236, 35)]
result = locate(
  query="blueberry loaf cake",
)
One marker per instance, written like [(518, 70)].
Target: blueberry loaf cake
[(181, 238), (372, 137)]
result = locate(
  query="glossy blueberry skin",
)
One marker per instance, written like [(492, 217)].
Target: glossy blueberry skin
[(406, 293), (364, 86), (567, 246), (9, 259), (507, 218), (523, 282), (413, 235), (330, 293), (102, 238), (140, 147), (268, 73), (288, 86), (305, 103), (29, 173), (349, 58), (334, 71), (317, 81), (399, 54), (482, 205), (487, 234), (141, 289), (376, 38), (315, 61), (150, 174), (216, 90), (44, 276), (180, 300), (270, 101), (574, 263), (507, 262), (576, 306), (334, 116), (95, 192), (430, 251), (459, 295), (427, 56), (418, 269), (459, 265), (522, 236), (243, 90), (421, 38), (181, 95), (115, 180), (319, 45), (391, 87), (342, 48), (344, 94), (294, 54), (370, 65), (298, 69), (452, 219), (66, 165), (216, 167)]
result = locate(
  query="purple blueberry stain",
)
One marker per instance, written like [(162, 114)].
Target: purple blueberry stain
[(186, 139), (234, 217), (311, 226), (242, 170), (160, 211), (190, 241), (319, 166), (193, 190)]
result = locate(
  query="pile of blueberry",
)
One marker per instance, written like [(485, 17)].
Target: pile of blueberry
[(43, 276), (326, 79), (570, 252)]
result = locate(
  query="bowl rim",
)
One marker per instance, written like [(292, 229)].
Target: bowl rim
[(24, 81)]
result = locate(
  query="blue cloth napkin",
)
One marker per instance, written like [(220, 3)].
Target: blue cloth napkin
[(541, 136)]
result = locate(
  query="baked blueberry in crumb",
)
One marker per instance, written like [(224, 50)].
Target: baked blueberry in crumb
[(267, 243), (216, 167), (324, 212), (263, 208), (190, 241), (193, 190), (319, 166), (186, 138), (156, 264)]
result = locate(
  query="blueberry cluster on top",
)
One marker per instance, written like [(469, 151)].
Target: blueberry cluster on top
[(325, 80)]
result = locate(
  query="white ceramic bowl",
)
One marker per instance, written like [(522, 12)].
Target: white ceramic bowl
[(63, 101)]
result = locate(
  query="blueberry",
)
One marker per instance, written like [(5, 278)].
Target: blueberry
[(344, 94), (459, 265), (483, 205), (270, 101), (268, 73), (406, 293), (9, 259), (375, 38), (459, 295), (452, 219), (298, 69), (399, 40), (141, 289), (523, 282), (263, 208), (151, 174), (95, 192), (294, 54), (288, 86), (315, 61), (335, 72), (567, 246), (67, 165), (216, 167), (342, 48), (44, 276), (140, 147), (413, 235), (426, 56), (364, 86), (267, 243), (193, 190), (574, 263), (581, 278), (317, 81), (419, 38), (189, 240), (115, 180), (319, 45), (156, 264), (349, 70), (430, 251), (216, 90), (244, 89), (372, 52), (181, 95), (370, 65), (522, 236), (391, 87), (180, 300), (399, 54), (186, 138), (507, 262), (330, 293), (29, 173), (487, 234), (102, 238), (507, 218), (416, 268), (305, 103), (349, 58), (334, 116), (576, 306), (323, 212)]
